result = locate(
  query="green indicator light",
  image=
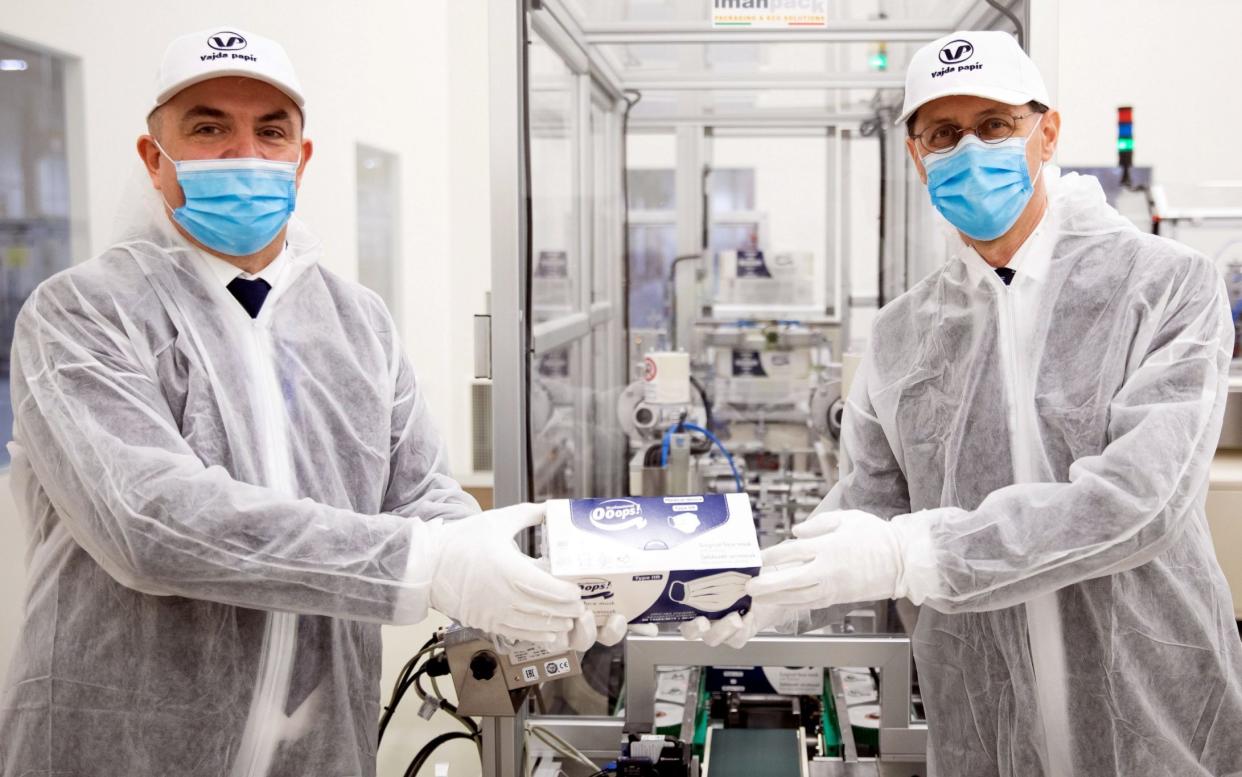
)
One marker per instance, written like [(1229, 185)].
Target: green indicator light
[(879, 61), (1125, 144)]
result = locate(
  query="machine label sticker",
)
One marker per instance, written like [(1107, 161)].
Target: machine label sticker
[(552, 264), (558, 667), (530, 674), (748, 363), (552, 289), (751, 264), (769, 14), (521, 652)]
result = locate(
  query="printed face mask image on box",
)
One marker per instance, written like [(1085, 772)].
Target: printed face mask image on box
[(656, 559)]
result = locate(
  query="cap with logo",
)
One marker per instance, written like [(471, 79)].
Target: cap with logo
[(987, 64), (225, 51)]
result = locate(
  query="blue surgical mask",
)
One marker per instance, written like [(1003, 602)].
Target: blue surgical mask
[(981, 188), (235, 206)]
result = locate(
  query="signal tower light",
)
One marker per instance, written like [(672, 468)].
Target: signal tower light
[(1125, 142), (879, 58)]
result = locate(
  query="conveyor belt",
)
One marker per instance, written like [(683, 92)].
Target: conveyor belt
[(739, 752)]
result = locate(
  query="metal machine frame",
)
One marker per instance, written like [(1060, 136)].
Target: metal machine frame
[(900, 740), (596, 72)]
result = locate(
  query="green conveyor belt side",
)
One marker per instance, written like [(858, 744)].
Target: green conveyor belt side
[(831, 735), (702, 715)]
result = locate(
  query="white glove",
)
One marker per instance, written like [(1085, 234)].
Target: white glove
[(734, 630), (845, 556), (615, 629), (481, 579)]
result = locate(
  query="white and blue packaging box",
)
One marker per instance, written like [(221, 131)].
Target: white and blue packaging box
[(655, 559)]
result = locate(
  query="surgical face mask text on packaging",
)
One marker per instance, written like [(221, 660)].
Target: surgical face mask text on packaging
[(234, 206), (712, 593), (982, 188)]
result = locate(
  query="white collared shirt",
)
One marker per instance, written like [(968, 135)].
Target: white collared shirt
[(1030, 265), (225, 272)]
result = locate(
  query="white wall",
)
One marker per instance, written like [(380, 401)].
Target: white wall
[(469, 224), (1177, 66), (791, 192), (406, 77)]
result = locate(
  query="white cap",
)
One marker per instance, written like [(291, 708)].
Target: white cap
[(225, 51), (987, 64)]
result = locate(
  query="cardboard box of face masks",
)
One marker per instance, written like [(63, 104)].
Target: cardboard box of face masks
[(656, 559)]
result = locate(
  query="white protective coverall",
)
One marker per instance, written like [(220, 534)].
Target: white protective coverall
[(1057, 435), (221, 511)]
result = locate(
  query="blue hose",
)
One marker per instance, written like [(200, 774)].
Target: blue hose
[(667, 441)]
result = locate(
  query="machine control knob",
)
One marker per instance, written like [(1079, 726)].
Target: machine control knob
[(483, 665)]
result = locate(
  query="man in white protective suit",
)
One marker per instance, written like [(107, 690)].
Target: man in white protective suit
[(229, 473), (1030, 434)]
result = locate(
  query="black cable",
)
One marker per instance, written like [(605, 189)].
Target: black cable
[(401, 685), (527, 251), (867, 129), (1012, 18), (651, 458), (443, 704), (707, 405), (420, 760), (671, 296)]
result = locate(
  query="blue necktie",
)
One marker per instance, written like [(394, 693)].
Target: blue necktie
[(1005, 274), (250, 293)]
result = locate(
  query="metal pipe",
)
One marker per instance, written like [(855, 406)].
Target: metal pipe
[(833, 32), (889, 654), (764, 82), (758, 119), (1008, 14)]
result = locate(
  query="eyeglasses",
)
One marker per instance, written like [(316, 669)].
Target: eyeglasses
[(941, 138)]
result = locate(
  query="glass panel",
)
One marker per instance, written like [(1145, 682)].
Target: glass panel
[(770, 195), (605, 202), (555, 407), (651, 189), (555, 275), (748, 59), (34, 193), (632, 10), (652, 237), (609, 439), (378, 225), (734, 237), (731, 189), (652, 248), (579, 451)]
